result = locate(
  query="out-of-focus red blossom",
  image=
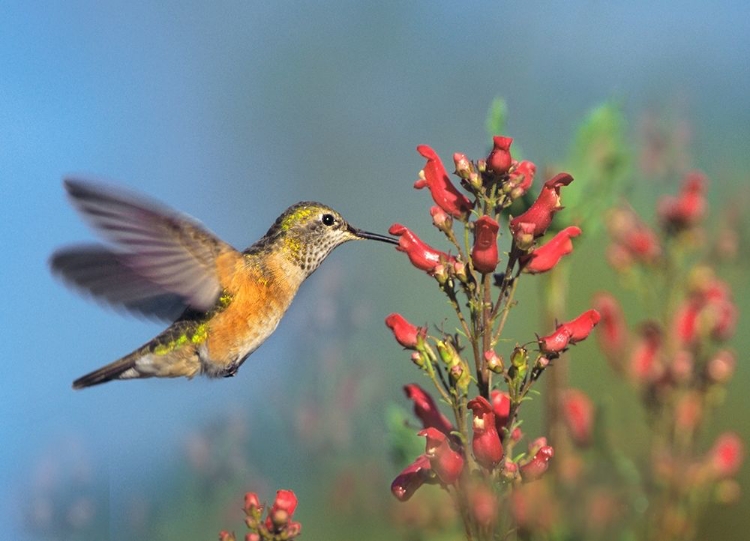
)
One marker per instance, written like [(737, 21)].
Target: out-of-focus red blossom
[(546, 205), (688, 207), (484, 253), (426, 410), (226, 536), (411, 478), (445, 462), (570, 332), (421, 255), (484, 505), (443, 192), (486, 442), (613, 332), (280, 515), (406, 334), (726, 456), (251, 502), (501, 409), (689, 411), (499, 160), (645, 362), (720, 367), (521, 178), (252, 536), (285, 501), (632, 240), (536, 467), (535, 508), (545, 257), (578, 413), (708, 312)]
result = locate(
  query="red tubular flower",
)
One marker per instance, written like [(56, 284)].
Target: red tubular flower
[(486, 442), (426, 410), (443, 192), (536, 467), (645, 362), (546, 205), (547, 256), (581, 327), (613, 332), (421, 255), (727, 454), (445, 462), (689, 207), (522, 177), (554, 344), (406, 334), (501, 409), (411, 478), (484, 253), (578, 414), (499, 160)]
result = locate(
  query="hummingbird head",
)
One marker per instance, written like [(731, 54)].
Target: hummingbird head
[(307, 232)]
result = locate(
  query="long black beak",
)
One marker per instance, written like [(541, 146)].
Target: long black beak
[(372, 236)]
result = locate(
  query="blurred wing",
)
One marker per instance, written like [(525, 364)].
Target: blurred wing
[(168, 249), (106, 275)]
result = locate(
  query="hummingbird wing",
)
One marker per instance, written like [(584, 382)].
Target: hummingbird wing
[(106, 275), (168, 249)]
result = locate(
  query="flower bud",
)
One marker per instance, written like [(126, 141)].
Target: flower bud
[(726, 456), (578, 414), (463, 165), (406, 334), (226, 536), (494, 363), (523, 235), (251, 502), (501, 408), (441, 219), (521, 177), (484, 254), (499, 160), (536, 467), (720, 367)]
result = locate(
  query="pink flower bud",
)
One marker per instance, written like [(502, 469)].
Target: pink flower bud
[(285, 501), (547, 256), (226, 536), (721, 366), (445, 462), (426, 410), (546, 205), (252, 536), (484, 253), (501, 409), (521, 178), (406, 334), (411, 478), (727, 454), (486, 442), (251, 502), (500, 159), (494, 363), (463, 165), (442, 190), (536, 467), (523, 235), (578, 414), (441, 219), (421, 255)]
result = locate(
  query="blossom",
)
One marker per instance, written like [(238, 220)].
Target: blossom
[(547, 256), (521, 178), (484, 253), (688, 207), (720, 367), (406, 334), (645, 361), (411, 478), (435, 177), (486, 442), (726, 455), (421, 255), (501, 408), (613, 332), (570, 332), (536, 467), (426, 410), (483, 504), (546, 205), (252, 502), (499, 160), (444, 460), (632, 240), (280, 515), (578, 414), (553, 344)]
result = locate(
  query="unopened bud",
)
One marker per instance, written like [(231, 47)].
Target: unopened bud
[(494, 362), (463, 165), (417, 359)]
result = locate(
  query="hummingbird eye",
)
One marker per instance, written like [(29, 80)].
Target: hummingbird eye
[(328, 219)]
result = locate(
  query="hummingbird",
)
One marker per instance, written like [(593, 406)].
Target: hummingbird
[(223, 303)]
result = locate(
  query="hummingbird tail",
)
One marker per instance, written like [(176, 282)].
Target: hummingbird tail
[(114, 370)]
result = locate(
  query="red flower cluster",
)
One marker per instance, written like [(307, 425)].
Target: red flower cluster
[(709, 312), (688, 207), (278, 523), (632, 240)]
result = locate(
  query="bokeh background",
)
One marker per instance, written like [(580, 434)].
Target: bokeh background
[(231, 111)]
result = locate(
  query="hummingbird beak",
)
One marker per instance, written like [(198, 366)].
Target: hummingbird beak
[(371, 236)]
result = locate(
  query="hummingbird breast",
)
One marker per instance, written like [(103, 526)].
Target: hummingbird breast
[(261, 288)]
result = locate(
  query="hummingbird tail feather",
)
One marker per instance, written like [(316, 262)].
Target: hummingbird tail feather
[(124, 368)]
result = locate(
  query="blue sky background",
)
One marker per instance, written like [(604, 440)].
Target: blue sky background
[(231, 111)]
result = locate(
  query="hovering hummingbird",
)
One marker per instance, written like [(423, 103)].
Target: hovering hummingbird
[(223, 303)]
